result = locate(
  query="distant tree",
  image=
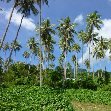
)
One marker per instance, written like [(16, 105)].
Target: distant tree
[(76, 48)]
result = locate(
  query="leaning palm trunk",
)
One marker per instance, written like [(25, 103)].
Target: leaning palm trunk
[(7, 27), (40, 44), (14, 41)]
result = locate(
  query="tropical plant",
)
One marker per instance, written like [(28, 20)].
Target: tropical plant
[(26, 55), (66, 33), (16, 4), (74, 62), (26, 7), (76, 48), (93, 22)]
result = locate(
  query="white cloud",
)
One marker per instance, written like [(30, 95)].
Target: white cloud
[(105, 32), (16, 18), (79, 19)]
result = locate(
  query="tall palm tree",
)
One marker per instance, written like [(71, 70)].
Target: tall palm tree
[(26, 7), (40, 2), (93, 22), (66, 33), (100, 48), (74, 62), (47, 33), (76, 48), (16, 3)]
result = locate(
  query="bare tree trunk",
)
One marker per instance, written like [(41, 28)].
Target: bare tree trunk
[(14, 41), (65, 65), (74, 70), (82, 54), (76, 66), (7, 27), (89, 62), (40, 43)]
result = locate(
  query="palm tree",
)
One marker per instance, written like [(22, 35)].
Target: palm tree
[(16, 3), (76, 48), (16, 46), (26, 55), (93, 22), (6, 47), (47, 40), (100, 49), (32, 44), (40, 2), (87, 64), (66, 33), (74, 62), (26, 7)]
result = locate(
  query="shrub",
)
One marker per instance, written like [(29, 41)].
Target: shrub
[(87, 83)]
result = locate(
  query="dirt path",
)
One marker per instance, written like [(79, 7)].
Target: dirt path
[(80, 106)]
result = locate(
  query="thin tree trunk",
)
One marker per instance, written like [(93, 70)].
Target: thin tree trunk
[(65, 65), (7, 27), (82, 53), (76, 66), (74, 70), (89, 62), (40, 43), (11, 51)]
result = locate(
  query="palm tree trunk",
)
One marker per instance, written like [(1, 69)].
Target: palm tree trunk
[(65, 65), (40, 43), (15, 41), (7, 27), (82, 53), (76, 66), (74, 70), (89, 62)]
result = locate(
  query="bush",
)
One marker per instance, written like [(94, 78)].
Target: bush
[(69, 83), (87, 83)]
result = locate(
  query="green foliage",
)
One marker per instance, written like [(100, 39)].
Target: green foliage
[(86, 83), (26, 98), (20, 74), (107, 77), (53, 78)]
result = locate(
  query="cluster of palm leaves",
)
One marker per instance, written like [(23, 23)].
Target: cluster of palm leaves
[(44, 49)]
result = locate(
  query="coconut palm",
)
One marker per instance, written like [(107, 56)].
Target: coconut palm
[(16, 46), (6, 47), (32, 44), (47, 32), (26, 55), (40, 2), (100, 48), (76, 48), (16, 3), (66, 33), (26, 7), (74, 62), (87, 64), (93, 22)]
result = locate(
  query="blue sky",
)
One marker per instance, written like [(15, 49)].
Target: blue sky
[(77, 10)]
